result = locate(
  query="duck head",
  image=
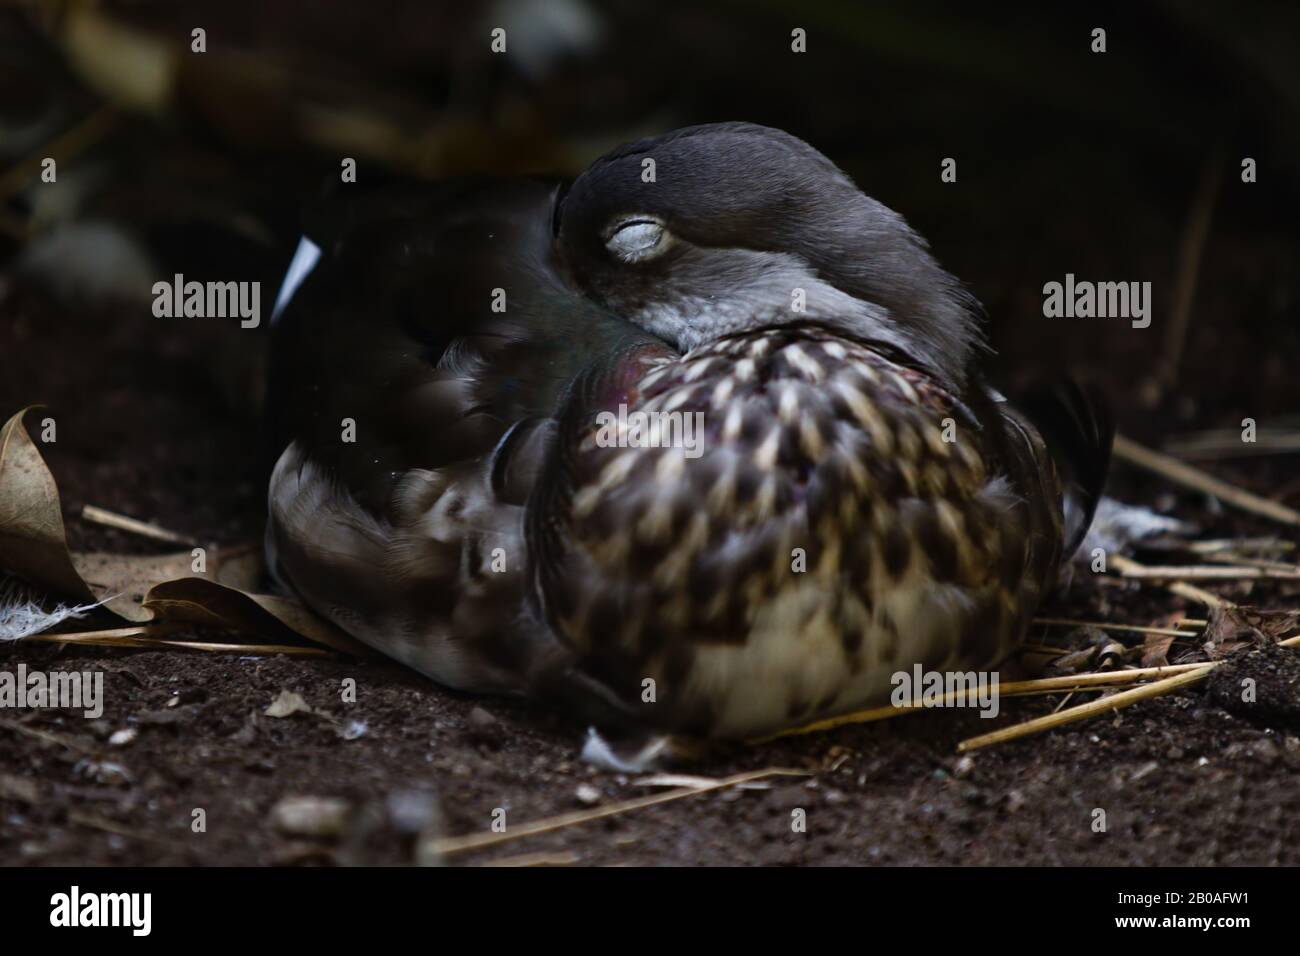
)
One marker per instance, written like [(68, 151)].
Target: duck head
[(735, 227)]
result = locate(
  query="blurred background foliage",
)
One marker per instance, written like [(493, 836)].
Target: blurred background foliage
[(1123, 166)]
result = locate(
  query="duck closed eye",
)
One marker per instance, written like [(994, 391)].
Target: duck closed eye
[(639, 239)]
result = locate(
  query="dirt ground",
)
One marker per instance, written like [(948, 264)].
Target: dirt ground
[(142, 431)]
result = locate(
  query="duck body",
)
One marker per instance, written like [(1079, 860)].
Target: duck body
[(855, 502)]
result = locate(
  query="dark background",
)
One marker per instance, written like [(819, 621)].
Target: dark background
[(1068, 161)]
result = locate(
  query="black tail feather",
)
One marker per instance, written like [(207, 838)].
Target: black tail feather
[(1077, 426)]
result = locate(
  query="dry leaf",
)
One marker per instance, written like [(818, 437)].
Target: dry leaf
[(1155, 650), (124, 579), (207, 603), (33, 545), (32, 540), (1232, 628)]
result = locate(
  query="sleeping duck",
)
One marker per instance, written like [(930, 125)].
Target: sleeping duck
[(478, 392)]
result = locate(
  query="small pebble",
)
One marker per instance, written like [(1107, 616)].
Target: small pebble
[(587, 794), (310, 816)]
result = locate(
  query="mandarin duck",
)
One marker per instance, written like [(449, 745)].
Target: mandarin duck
[(464, 483)]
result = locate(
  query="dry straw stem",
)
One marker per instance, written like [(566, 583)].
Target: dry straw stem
[(1053, 685), (144, 529), (1090, 709), (1191, 674), (1184, 474), (1180, 572), (477, 841), (1193, 593), (1181, 588), (1106, 626), (1228, 444), (1229, 557), (148, 637), (1239, 544)]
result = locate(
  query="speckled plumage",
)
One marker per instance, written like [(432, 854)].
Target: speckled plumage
[(828, 537)]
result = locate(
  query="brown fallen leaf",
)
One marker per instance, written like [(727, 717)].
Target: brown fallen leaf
[(123, 579), (1234, 627), (138, 588), (207, 603), (32, 539), (1155, 650)]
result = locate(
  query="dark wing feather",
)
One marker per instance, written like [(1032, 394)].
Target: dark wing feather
[(410, 535), (1078, 429)]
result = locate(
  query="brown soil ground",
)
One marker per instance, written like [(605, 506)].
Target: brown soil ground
[(1189, 779)]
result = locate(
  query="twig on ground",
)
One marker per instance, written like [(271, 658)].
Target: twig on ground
[(1197, 572), (1181, 473), (1181, 588), (1191, 674), (1239, 544), (1107, 626), (144, 529), (1090, 709), (1231, 557), (1068, 682), (1210, 446), (475, 841), (146, 636)]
